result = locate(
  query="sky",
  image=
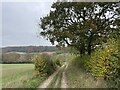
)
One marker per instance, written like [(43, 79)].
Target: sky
[(20, 23)]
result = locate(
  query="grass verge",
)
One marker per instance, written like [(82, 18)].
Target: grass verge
[(78, 78)]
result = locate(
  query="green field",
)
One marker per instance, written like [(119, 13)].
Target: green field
[(19, 76)]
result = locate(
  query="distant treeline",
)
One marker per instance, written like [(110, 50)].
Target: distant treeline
[(24, 54), (15, 62), (11, 58), (30, 49)]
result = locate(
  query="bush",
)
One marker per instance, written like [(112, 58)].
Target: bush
[(57, 61), (104, 62), (44, 65)]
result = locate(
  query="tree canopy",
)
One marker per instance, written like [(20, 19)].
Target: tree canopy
[(82, 25)]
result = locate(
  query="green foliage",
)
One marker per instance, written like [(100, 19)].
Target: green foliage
[(58, 62), (44, 65), (74, 51), (59, 59), (81, 25), (33, 82), (104, 62)]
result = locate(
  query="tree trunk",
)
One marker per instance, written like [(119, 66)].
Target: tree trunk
[(89, 48), (90, 43)]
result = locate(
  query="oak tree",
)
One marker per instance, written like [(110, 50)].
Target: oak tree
[(82, 25)]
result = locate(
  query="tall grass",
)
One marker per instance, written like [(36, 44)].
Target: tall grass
[(101, 69), (78, 78)]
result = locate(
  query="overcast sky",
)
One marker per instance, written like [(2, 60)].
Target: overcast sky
[(20, 23)]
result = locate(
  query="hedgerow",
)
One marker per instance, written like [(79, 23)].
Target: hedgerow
[(105, 62)]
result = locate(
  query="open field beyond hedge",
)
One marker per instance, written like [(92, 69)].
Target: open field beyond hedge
[(19, 76)]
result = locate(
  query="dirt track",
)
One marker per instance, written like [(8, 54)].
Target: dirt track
[(50, 78)]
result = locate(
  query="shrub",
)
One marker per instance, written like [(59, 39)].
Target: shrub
[(104, 62), (44, 65), (57, 61)]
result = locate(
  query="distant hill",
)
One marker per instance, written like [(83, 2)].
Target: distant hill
[(29, 49)]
